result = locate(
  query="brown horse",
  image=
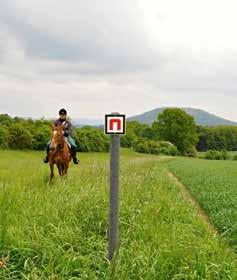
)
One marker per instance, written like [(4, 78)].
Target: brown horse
[(59, 153)]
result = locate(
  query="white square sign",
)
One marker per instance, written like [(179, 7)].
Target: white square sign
[(115, 124)]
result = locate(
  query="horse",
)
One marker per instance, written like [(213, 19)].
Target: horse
[(59, 153)]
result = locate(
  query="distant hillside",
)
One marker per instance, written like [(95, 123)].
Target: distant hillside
[(201, 117), (83, 122)]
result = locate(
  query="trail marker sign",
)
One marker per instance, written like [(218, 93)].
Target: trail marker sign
[(115, 124)]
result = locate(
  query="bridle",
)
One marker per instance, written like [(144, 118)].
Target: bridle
[(60, 144)]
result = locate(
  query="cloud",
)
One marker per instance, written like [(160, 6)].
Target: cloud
[(101, 56), (105, 35)]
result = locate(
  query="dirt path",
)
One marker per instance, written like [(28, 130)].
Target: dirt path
[(188, 196)]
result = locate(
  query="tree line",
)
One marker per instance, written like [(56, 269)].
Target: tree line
[(19, 133), (217, 138), (174, 132)]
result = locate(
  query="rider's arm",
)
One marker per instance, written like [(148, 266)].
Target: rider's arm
[(56, 123), (68, 130)]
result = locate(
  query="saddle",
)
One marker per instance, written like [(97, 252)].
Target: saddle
[(69, 146), (67, 143)]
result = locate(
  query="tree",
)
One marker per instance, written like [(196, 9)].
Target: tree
[(134, 131), (178, 127), (40, 138), (130, 138), (90, 139), (3, 136), (5, 120), (19, 137), (217, 138), (155, 147)]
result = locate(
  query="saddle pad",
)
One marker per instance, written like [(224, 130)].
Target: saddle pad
[(68, 142)]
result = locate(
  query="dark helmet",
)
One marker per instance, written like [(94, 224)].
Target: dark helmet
[(62, 111)]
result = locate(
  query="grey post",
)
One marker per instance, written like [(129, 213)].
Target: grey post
[(114, 195)]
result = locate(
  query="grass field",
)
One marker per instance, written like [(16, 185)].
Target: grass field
[(59, 231), (214, 185)]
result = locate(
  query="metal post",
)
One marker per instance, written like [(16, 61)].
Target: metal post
[(114, 195)]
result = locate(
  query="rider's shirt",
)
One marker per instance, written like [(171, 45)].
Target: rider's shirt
[(67, 126)]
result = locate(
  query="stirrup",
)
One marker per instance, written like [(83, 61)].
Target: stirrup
[(75, 160), (46, 159)]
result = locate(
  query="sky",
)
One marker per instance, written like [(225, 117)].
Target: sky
[(127, 56)]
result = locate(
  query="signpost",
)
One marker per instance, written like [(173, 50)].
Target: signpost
[(114, 125)]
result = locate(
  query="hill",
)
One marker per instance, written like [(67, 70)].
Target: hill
[(82, 122), (201, 117)]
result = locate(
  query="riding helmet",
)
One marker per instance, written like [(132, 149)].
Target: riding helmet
[(62, 111)]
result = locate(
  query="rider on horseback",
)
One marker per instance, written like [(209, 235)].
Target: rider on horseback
[(67, 133)]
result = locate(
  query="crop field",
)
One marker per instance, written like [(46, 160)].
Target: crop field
[(59, 231), (214, 185)]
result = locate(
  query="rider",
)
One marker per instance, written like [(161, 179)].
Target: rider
[(67, 133)]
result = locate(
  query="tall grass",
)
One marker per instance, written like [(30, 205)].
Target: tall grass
[(59, 231)]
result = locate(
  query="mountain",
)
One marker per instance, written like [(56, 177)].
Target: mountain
[(83, 122), (201, 117)]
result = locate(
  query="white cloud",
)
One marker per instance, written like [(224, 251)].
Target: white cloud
[(95, 57)]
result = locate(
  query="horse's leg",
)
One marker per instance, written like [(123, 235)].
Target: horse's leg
[(62, 171), (65, 168), (59, 165), (51, 171), (66, 165), (66, 157)]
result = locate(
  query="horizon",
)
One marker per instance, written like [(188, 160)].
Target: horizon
[(98, 121)]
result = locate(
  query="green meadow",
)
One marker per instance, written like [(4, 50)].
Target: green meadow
[(59, 231)]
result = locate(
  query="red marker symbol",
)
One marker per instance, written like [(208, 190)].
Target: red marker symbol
[(113, 122)]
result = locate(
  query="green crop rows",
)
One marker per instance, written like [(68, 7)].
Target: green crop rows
[(214, 185)]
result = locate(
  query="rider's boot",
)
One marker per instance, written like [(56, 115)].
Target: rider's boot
[(46, 159), (74, 156)]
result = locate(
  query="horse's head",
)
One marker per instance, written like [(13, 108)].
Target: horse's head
[(57, 142)]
